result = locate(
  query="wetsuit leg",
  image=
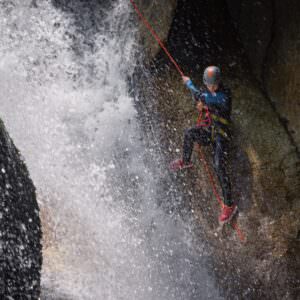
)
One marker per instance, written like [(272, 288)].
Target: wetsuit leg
[(194, 135), (221, 148)]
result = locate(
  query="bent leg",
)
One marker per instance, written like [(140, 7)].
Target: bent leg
[(192, 135), (221, 149)]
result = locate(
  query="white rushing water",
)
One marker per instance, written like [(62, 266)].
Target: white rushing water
[(65, 102)]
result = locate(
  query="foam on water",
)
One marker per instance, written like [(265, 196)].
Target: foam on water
[(65, 102)]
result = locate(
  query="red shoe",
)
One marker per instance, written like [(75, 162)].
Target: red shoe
[(178, 164), (227, 213)]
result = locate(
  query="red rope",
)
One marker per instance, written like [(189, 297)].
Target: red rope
[(203, 123), (210, 176), (157, 38)]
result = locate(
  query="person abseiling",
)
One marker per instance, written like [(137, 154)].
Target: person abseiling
[(214, 102)]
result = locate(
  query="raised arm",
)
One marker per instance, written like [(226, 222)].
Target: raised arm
[(196, 93), (194, 90)]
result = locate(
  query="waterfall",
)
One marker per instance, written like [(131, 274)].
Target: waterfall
[(64, 99)]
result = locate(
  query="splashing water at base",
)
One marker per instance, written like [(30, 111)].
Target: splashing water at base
[(65, 102)]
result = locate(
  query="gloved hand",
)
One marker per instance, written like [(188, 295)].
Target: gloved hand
[(200, 106), (185, 79)]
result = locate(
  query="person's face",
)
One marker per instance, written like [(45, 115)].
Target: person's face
[(212, 87)]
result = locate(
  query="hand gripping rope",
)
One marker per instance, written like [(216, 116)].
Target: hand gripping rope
[(200, 121)]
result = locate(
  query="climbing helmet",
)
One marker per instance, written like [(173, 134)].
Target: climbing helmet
[(212, 75)]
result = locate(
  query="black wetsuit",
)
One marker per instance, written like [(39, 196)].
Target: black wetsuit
[(217, 134)]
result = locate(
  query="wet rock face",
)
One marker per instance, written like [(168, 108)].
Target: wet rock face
[(265, 162), (20, 230), (160, 15), (270, 32), (282, 72)]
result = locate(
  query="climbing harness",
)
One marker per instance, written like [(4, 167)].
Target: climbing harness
[(201, 122), (219, 119), (217, 129), (206, 121)]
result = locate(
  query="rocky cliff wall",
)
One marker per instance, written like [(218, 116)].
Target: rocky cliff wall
[(270, 32), (265, 161), (160, 14)]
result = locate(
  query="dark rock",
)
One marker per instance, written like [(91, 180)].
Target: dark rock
[(253, 21), (20, 228), (270, 32)]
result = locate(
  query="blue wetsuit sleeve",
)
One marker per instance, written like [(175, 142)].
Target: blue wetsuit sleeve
[(197, 95)]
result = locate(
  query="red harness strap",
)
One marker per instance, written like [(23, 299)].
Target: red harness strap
[(206, 122)]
